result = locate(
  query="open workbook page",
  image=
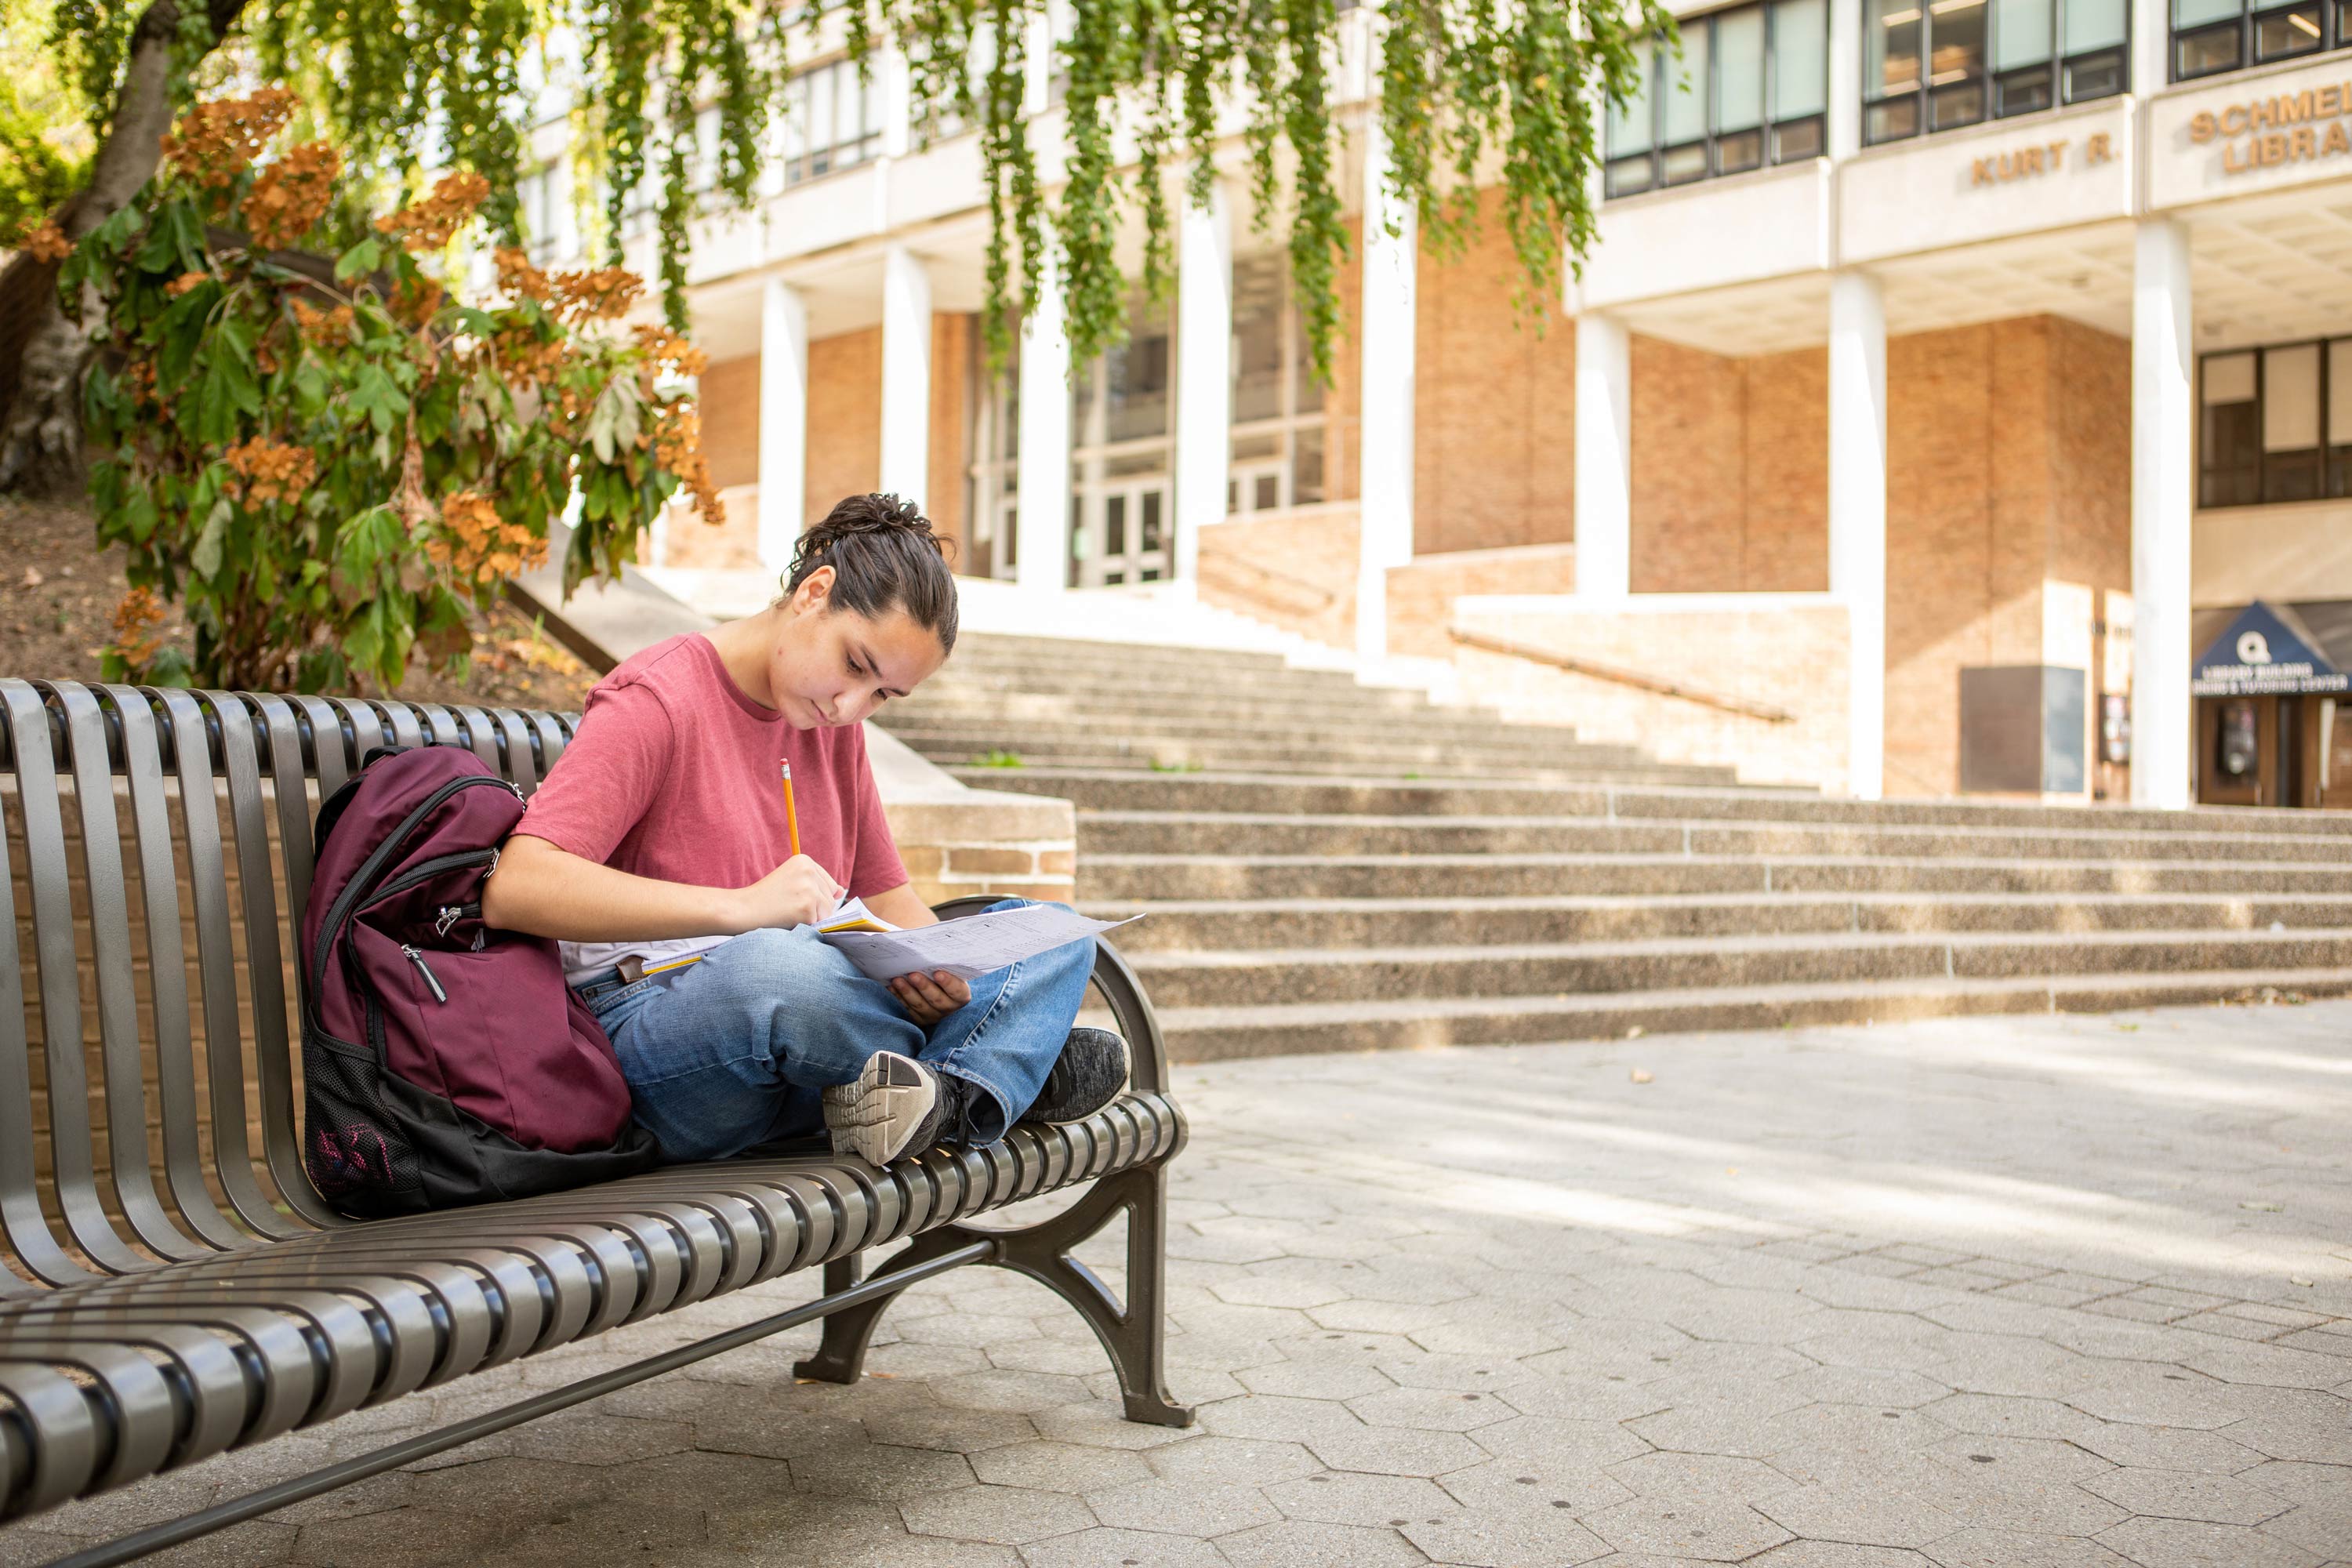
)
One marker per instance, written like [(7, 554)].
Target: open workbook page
[(967, 948)]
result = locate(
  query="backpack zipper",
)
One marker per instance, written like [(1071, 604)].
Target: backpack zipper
[(431, 980)]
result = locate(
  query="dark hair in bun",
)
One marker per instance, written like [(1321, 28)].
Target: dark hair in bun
[(883, 556)]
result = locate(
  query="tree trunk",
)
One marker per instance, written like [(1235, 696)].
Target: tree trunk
[(40, 440)]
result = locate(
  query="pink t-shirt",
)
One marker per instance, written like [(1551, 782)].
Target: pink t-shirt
[(675, 774)]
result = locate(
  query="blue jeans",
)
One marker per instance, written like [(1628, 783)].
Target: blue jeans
[(732, 1051)]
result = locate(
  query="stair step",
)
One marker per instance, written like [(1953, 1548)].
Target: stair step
[(1382, 742), (1110, 876), (1392, 796), (1216, 1034), (1145, 764), (1213, 925), (1194, 979), (1251, 833)]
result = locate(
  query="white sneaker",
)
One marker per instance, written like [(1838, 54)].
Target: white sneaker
[(894, 1105)]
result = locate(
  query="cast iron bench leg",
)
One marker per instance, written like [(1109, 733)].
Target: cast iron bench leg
[(1132, 1331)]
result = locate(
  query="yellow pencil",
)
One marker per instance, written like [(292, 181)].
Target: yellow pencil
[(791, 817)]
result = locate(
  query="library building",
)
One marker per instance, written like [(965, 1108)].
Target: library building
[(1958, 399)]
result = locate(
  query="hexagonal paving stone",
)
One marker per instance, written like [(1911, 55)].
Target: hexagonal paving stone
[(1516, 1486), (2325, 1528), (1350, 1499), (2178, 1494), (1838, 1554), (1979, 1546), (1431, 1409), (1701, 1475), (1106, 1548), (1711, 1529), (1561, 1444), (942, 1426), (1296, 1543), (2187, 1543), (1506, 1538), (1873, 1518), (1396, 1450), (1103, 1424), (1008, 1516), (1060, 1466), (1020, 1393), (1184, 1508), (1280, 1419), (1315, 1380), (1231, 1461), (879, 1472)]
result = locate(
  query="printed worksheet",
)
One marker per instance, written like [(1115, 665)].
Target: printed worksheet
[(967, 948)]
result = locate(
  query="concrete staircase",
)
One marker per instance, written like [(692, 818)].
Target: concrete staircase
[(1306, 893), (1060, 703)]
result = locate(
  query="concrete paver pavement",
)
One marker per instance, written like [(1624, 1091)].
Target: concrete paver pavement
[(1972, 1294)]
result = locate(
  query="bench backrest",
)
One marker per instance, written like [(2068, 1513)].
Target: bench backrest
[(157, 856)]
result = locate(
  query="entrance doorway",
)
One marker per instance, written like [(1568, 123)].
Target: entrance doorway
[(2275, 750), (1119, 532)]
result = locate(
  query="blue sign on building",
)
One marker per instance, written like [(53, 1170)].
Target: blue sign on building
[(2267, 652)]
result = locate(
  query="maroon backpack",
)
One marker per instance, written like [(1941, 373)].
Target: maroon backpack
[(443, 1062)]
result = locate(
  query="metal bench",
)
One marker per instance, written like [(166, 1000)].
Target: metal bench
[(169, 1291)]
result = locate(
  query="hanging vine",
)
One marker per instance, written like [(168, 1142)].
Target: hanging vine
[(678, 96)]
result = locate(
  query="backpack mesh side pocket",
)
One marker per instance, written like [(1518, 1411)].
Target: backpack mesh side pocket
[(354, 1152)]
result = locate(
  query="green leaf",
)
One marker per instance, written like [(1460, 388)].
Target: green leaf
[(612, 426), (374, 395), (358, 261), (204, 559)]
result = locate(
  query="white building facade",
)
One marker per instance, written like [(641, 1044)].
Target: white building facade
[(1942, 372)]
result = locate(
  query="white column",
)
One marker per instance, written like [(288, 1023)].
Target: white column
[(1604, 457), (783, 421), (1844, 108), (895, 76), (1858, 515), (1204, 373), (1043, 460), (2162, 498), (1385, 443), (2151, 47), (906, 376)]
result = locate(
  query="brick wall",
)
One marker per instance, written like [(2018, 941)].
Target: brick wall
[(1295, 571), (844, 419), (987, 841), (729, 395), (954, 335), (1791, 657), (1422, 596), (1730, 483), (2009, 445), (1495, 404), (2008, 454)]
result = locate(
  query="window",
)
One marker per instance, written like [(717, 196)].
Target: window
[(2211, 36), (702, 165), (933, 117), (1750, 90), (831, 121), (1933, 65), (2275, 425), (542, 195), (1122, 485), (1278, 409)]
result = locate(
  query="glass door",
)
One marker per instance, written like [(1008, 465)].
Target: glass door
[(1125, 526)]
